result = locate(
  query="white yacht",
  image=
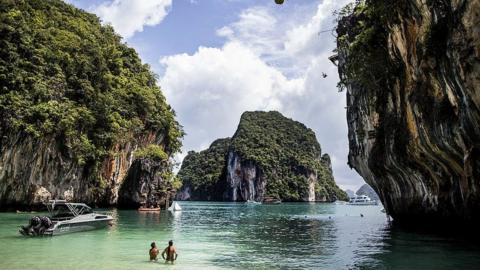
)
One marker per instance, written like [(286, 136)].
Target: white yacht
[(65, 218), (362, 200)]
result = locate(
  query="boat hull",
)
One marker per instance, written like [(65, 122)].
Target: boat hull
[(363, 203), (72, 227), (149, 209)]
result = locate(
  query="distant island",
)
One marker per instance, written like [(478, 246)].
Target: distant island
[(269, 156)]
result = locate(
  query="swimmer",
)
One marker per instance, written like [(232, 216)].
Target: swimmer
[(153, 252), (171, 253)]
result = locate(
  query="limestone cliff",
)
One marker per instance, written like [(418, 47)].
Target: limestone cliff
[(76, 105), (268, 156), (411, 70)]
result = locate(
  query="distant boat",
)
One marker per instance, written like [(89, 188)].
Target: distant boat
[(175, 207), (252, 202), (272, 200), (362, 200), (147, 209)]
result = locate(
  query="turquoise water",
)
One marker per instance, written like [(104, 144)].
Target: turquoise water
[(239, 236)]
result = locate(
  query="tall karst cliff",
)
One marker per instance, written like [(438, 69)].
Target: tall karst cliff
[(76, 104), (411, 70), (268, 156)]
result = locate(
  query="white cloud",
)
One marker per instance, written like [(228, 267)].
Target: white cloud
[(270, 60), (130, 16), (211, 88)]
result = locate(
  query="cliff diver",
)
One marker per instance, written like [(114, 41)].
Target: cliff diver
[(153, 252), (171, 253)]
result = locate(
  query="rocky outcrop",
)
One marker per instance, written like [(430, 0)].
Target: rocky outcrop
[(76, 105), (411, 70), (145, 184), (245, 180), (35, 171), (269, 156)]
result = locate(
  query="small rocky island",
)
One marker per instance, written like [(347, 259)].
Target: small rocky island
[(269, 156), (81, 117), (411, 71)]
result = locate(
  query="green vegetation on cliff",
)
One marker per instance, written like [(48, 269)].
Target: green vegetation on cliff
[(285, 151), (201, 171), (64, 75), (362, 40)]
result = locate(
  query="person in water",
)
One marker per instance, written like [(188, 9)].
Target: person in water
[(170, 252), (153, 252)]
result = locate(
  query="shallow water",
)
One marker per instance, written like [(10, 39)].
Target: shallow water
[(239, 236)]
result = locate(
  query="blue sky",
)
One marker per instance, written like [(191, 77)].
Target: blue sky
[(217, 58)]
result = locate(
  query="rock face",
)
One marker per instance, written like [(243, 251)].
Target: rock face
[(145, 184), (269, 156), (350, 193), (245, 180), (76, 105), (411, 70)]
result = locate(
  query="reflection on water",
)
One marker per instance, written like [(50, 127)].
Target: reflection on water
[(239, 236)]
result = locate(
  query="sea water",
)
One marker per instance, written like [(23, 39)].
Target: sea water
[(239, 236)]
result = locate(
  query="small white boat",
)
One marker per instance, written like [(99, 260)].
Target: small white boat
[(362, 200), (175, 207), (252, 202), (66, 218)]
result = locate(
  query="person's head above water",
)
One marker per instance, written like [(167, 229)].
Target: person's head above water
[(170, 243), (153, 245)]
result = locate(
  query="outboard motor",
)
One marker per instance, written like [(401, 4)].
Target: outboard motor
[(35, 222), (45, 223)]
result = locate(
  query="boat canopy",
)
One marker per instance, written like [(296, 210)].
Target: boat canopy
[(60, 209)]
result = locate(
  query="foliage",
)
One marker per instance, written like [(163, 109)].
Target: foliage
[(201, 171), (153, 151), (176, 183), (362, 43), (286, 151), (64, 75)]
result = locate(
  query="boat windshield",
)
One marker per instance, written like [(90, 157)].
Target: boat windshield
[(61, 212), (83, 209)]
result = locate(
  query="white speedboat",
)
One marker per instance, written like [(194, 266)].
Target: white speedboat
[(252, 202), (66, 218), (362, 200)]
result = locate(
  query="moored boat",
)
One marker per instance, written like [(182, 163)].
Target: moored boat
[(147, 209), (362, 200), (65, 218), (271, 200), (252, 202)]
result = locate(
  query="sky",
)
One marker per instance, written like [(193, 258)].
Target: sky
[(216, 59)]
